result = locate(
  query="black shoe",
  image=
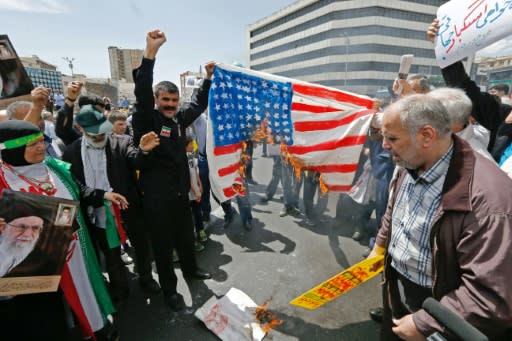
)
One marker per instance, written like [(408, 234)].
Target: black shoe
[(264, 200), (227, 222), (125, 257), (294, 211), (248, 226), (376, 314), (251, 181), (322, 219), (107, 333), (150, 286), (198, 274), (309, 222), (119, 297), (175, 301), (357, 236)]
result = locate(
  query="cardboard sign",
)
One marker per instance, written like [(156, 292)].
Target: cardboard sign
[(14, 80), (340, 284), (467, 26), (35, 236)]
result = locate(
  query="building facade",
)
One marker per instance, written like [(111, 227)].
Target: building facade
[(189, 81), (37, 63), (123, 61), (43, 73), (347, 44), (490, 71)]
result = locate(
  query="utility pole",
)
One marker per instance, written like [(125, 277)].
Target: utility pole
[(347, 43), (70, 63)]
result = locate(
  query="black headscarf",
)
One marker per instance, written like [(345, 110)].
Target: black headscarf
[(14, 129), (17, 209)]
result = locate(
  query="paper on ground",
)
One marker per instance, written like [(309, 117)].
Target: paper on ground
[(231, 317)]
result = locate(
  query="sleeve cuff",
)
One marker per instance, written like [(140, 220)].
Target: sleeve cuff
[(425, 323), (148, 62)]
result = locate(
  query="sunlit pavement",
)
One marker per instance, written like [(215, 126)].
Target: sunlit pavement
[(279, 259)]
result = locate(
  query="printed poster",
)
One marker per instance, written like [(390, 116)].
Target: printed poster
[(35, 235), (14, 80)]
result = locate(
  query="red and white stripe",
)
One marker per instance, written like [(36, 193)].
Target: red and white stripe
[(330, 129), (78, 290)]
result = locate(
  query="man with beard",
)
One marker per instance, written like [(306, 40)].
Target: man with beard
[(446, 232), (64, 217), (103, 160), (18, 237)]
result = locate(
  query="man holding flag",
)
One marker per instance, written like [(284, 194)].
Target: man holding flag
[(165, 178)]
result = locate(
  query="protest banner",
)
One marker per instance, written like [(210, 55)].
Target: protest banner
[(466, 26), (340, 284), (14, 80), (35, 236)]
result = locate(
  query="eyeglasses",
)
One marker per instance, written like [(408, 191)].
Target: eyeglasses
[(22, 227)]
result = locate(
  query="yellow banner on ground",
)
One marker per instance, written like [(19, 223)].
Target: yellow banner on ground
[(340, 284)]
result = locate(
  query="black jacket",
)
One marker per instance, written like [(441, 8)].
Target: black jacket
[(166, 174), (64, 125), (487, 110), (122, 159)]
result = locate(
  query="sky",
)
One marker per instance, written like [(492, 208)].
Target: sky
[(197, 31)]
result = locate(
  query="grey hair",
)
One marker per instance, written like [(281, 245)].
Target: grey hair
[(424, 83), (46, 115), (377, 120), (456, 102), (166, 86), (13, 108), (417, 111)]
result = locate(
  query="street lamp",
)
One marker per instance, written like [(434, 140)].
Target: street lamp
[(347, 43), (70, 63)]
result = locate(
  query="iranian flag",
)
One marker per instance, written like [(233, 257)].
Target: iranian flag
[(84, 286)]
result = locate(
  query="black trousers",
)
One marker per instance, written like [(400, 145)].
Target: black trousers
[(311, 187), (171, 226), (198, 215), (34, 317), (138, 232), (401, 297), (117, 273)]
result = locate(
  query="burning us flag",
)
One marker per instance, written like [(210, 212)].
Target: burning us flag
[(321, 129)]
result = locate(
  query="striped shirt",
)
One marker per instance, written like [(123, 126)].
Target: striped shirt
[(413, 215)]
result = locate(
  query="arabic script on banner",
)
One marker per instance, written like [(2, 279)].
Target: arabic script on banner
[(340, 284), (466, 26)]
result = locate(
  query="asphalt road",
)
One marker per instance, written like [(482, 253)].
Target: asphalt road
[(279, 259)]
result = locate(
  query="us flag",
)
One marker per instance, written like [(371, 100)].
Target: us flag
[(323, 129)]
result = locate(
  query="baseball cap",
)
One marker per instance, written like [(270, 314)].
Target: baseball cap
[(93, 121)]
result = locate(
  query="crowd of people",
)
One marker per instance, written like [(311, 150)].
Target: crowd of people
[(430, 170)]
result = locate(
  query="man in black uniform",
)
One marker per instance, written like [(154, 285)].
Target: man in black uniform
[(165, 179)]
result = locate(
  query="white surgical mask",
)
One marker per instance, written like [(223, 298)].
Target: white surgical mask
[(96, 145)]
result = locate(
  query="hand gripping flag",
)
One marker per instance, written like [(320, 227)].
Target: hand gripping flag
[(319, 128)]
